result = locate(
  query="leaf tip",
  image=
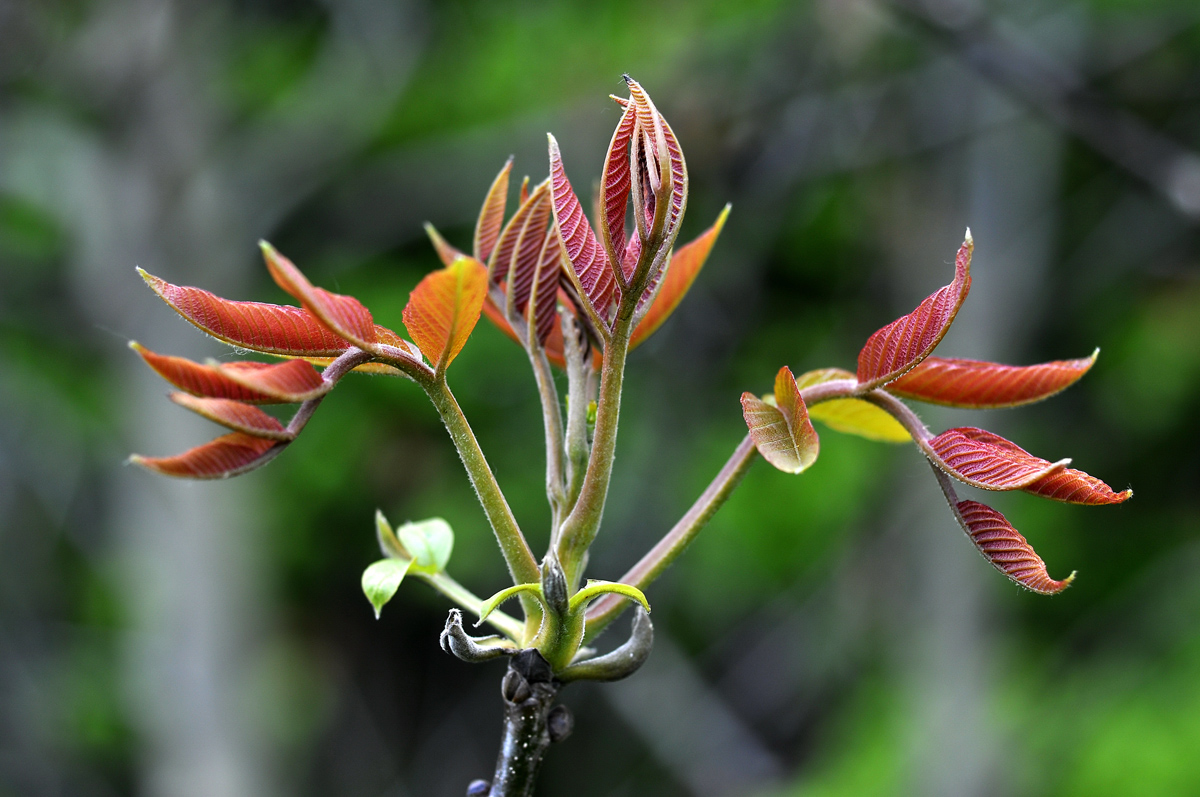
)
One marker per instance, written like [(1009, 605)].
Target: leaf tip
[(968, 239)]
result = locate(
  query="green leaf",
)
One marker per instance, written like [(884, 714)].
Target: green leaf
[(389, 546), (381, 580), (429, 542), (594, 589)]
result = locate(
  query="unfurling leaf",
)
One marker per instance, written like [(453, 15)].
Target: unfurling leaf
[(543, 299), (234, 415), (229, 455), (681, 272), (590, 270), (381, 580), (344, 315), (904, 343), (444, 308), (429, 542), (983, 385), (783, 434), (1006, 549), (527, 250), (491, 215), (251, 382), (614, 186), (654, 124), (522, 236)]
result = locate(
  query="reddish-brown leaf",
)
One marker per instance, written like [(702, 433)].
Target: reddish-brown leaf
[(285, 383), (523, 194), (614, 185), (208, 380), (518, 236), (984, 385), (526, 252), (656, 125), (491, 215), (988, 461), (543, 300), (681, 272), (905, 342), (229, 455), (783, 434), (344, 315), (445, 252), (1076, 487), (590, 270), (235, 415), (1006, 549), (444, 308)]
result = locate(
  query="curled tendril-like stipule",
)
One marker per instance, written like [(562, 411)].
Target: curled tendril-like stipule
[(456, 641), (620, 663)]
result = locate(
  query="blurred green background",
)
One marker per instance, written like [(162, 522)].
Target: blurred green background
[(829, 634)]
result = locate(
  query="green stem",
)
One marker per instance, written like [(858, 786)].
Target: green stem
[(579, 394), (552, 417), (505, 624)]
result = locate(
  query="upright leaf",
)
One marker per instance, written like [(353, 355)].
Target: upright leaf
[(905, 342), (429, 542), (343, 315), (590, 269), (491, 215), (229, 455), (276, 382), (521, 230), (234, 415), (445, 252), (614, 185), (1006, 549), (444, 308), (654, 123), (783, 434), (543, 301), (983, 385), (526, 252)]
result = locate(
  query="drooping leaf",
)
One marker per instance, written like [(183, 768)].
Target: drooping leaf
[(491, 215), (229, 455), (444, 308), (286, 383), (783, 433), (543, 300), (522, 233), (681, 272), (904, 343), (1076, 487), (983, 385), (614, 185), (343, 315), (230, 381), (1006, 549), (381, 580), (987, 460), (429, 542), (590, 270), (234, 415)]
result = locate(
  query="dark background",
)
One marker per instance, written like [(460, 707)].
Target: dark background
[(828, 634)]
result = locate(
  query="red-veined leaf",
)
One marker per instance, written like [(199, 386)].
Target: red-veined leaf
[(983, 385), (651, 120), (590, 270), (851, 415), (228, 455), (290, 382), (987, 460), (681, 272), (543, 300), (1076, 487), (491, 215), (905, 342), (444, 308), (234, 415), (344, 315), (783, 434), (526, 253), (614, 185), (445, 252), (212, 381), (514, 243), (1006, 549)]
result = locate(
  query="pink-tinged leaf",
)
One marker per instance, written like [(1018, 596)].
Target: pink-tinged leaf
[(284, 383), (267, 328), (515, 242), (904, 343), (543, 300), (1006, 549), (208, 380), (491, 216), (523, 194), (234, 415), (590, 270), (526, 253), (783, 434), (983, 385), (343, 315), (444, 308), (681, 272), (614, 185), (230, 455), (1076, 487), (653, 123), (987, 460), (445, 252)]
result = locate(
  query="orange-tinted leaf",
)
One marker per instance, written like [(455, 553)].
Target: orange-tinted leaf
[(984, 385), (344, 315), (229, 455), (783, 434), (681, 272), (207, 380), (518, 238), (444, 308), (1076, 487), (523, 194), (543, 300), (445, 252), (267, 328), (590, 270), (905, 342), (491, 215), (234, 415), (1006, 549), (614, 185), (284, 383), (989, 461)]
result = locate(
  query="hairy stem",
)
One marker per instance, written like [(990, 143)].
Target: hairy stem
[(504, 623), (579, 395), (552, 418)]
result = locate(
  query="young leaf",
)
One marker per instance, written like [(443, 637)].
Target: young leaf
[(987, 460), (428, 541), (904, 343), (543, 299), (219, 382), (983, 385), (388, 544), (681, 272), (230, 455), (445, 252), (652, 122), (783, 434), (1076, 487), (491, 215), (858, 417), (444, 308), (526, 253), (614, 185), (343, 315), (1006, 549), (285, 383), (234, 415), (590, 270), (381, 580), (522, 235)]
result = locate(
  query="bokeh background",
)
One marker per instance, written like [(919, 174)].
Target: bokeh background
[(829, 634)]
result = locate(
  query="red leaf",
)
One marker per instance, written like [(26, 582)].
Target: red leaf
[(681, 272), (543, 300), (1006, 549), (905, 342), (444, 308), (513, 243), (229, 455), (344, 315), (783, 434), (653, 123), (491, 215), (984, 385), (523, 194), (234, 415), (445, 252), (614, 185), (1076, 487), (285, 383), (987, 460), (590, 269), (215, 381), (527, 249)]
